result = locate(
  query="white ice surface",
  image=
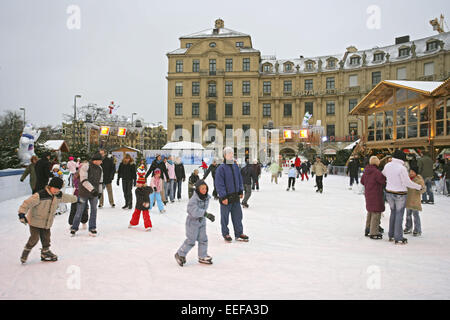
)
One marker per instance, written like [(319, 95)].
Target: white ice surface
[(303, 245)]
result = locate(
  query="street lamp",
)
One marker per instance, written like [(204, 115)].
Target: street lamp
[(74, 117), (132, 115), (23, 116)]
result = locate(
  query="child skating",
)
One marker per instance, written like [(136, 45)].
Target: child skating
[(196, 225), (38, 211), (156, 184), (292, 174), (142, 203)]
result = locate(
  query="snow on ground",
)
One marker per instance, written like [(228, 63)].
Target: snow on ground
[(303, 245)]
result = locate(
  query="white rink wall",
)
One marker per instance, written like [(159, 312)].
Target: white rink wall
[(10, 185)]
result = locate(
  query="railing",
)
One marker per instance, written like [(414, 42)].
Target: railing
[(212, 72), (338, 170)]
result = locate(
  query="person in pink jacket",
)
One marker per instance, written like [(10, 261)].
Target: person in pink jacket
[(170, 184), (72, 166), (156, 184)]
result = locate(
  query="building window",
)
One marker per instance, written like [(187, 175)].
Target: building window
[(212, 89), (308, 84), (179, 66), (378, 57), (309, 66), (195, 133), (309, 106), (228, 88), (178, 132), (330, 108), (330, 83), (352, 104), (228, 109), (401, 73), (353, 128), (432, 45), (287, 110), (354, 61), (195, 65), (246, 129), (331, 63), (212, 66), (239, 44), (195, 88), (246, 108), (267, 87), (428, 69), (287, 87), (195, 109), (353, 80), (403, 52), (246, 88), (246, 64), (211, 111), (179, 89), (188, 45), (228, 65), (267, 112), (267, 68), (178, 109), (287, 67), (330, 130), (376, 77), (212, 44)]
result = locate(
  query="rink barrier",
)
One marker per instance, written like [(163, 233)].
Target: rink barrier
[(10, 185)]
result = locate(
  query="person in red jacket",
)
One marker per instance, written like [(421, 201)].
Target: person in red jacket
[(298, 164), (374, 182), (204, 166)]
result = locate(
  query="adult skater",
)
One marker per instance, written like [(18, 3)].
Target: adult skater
[(109, 170), (196, 225), (257, 171), (212, 168), (248, 175), (230, 189), (304, 171), (31, 170), (90, 189), (43, 171), (397, 184), (320, 170), (180, 175), (158, 163), (127, 171), (353, 170), (426, 171)]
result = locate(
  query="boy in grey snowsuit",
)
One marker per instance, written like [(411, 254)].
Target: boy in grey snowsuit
[(196, 225)]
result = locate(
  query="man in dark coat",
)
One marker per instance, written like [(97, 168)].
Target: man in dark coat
[(180, 175), (248, 175), (353, 170), (257, 172), (426, 171), (43, 172), (230, 190), (109, 170), (212, 168)]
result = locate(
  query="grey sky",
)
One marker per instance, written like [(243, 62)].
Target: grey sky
[(120, 51)]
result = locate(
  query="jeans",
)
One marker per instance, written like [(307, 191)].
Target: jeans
[(127, 185), (319, 182), (170, 189), (177, 187), (195, 231), (429, 192), (409, 221), (156, 195), (397, 202), (291, 181), (247, 193), (236, 217), (80, 208)]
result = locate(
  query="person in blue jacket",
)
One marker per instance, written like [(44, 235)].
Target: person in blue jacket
[(230, 190)]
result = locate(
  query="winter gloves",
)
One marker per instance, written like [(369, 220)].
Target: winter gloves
[(22, 218), (210, 216), (95, 193)]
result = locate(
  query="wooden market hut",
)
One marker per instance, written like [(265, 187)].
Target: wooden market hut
[(405, 115)]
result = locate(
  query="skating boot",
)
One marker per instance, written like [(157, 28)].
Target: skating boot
[(180, 260), (245, 205), (380, 229), (242, 237), (130, 226), (25, 254), (366, 232), (417, 234), (407, 231), (287, 189), (376, 237), (293, 189), (47, 255), (93, 233), (205, 260), (125, 206), (148, 229), (391, 239), (403, 241), (228, 238), (163, 211), (72, 233), (321, 190)]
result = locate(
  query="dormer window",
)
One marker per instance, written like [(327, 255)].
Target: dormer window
[(331, 63), (267, 67), (288, 67), (433, 45), (309, 65), (188, 45), (212, 44), (354, 61), (240, 44), (403, 52), (378, 57)]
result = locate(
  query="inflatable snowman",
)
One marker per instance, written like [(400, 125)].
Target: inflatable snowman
[(26, 144)]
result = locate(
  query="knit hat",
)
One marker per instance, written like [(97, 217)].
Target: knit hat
[(399, 154), (56, 183), (55, 166), (70, 158), (374, 160), (197, 189), (96, 156)]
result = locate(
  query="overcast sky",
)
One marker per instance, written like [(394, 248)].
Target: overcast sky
[(119, 52)]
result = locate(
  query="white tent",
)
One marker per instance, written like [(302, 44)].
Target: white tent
[(183, 145)]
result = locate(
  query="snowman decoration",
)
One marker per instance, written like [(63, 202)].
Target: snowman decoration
[(26, 144)]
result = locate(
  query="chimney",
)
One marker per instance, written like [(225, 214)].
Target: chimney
[(400, 40)]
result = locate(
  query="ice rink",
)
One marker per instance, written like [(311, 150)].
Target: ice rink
[(303, 245)]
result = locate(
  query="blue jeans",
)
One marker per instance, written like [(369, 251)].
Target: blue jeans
[(397, 202), (177, 186), (170, 189), (409, 222), (236, 217), (158, 200), (429, 192), (195, 231), (80, 208)]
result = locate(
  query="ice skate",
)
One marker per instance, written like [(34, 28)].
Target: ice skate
[(148, 229), (287, 189), (407, 231), (180, 260), (130, 226), (227, 238), (47, 255), (25, 254), (163, 211), (366, 232), (245, 205), (293, 189), (242, 237), (376, 237), (417, 234), (72, 233), (403, 241), (93, 233), (205, 260)]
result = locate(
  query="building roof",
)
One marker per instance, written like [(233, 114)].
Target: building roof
[(56, 145), (422, 86), (211, 33), (183, 145)]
